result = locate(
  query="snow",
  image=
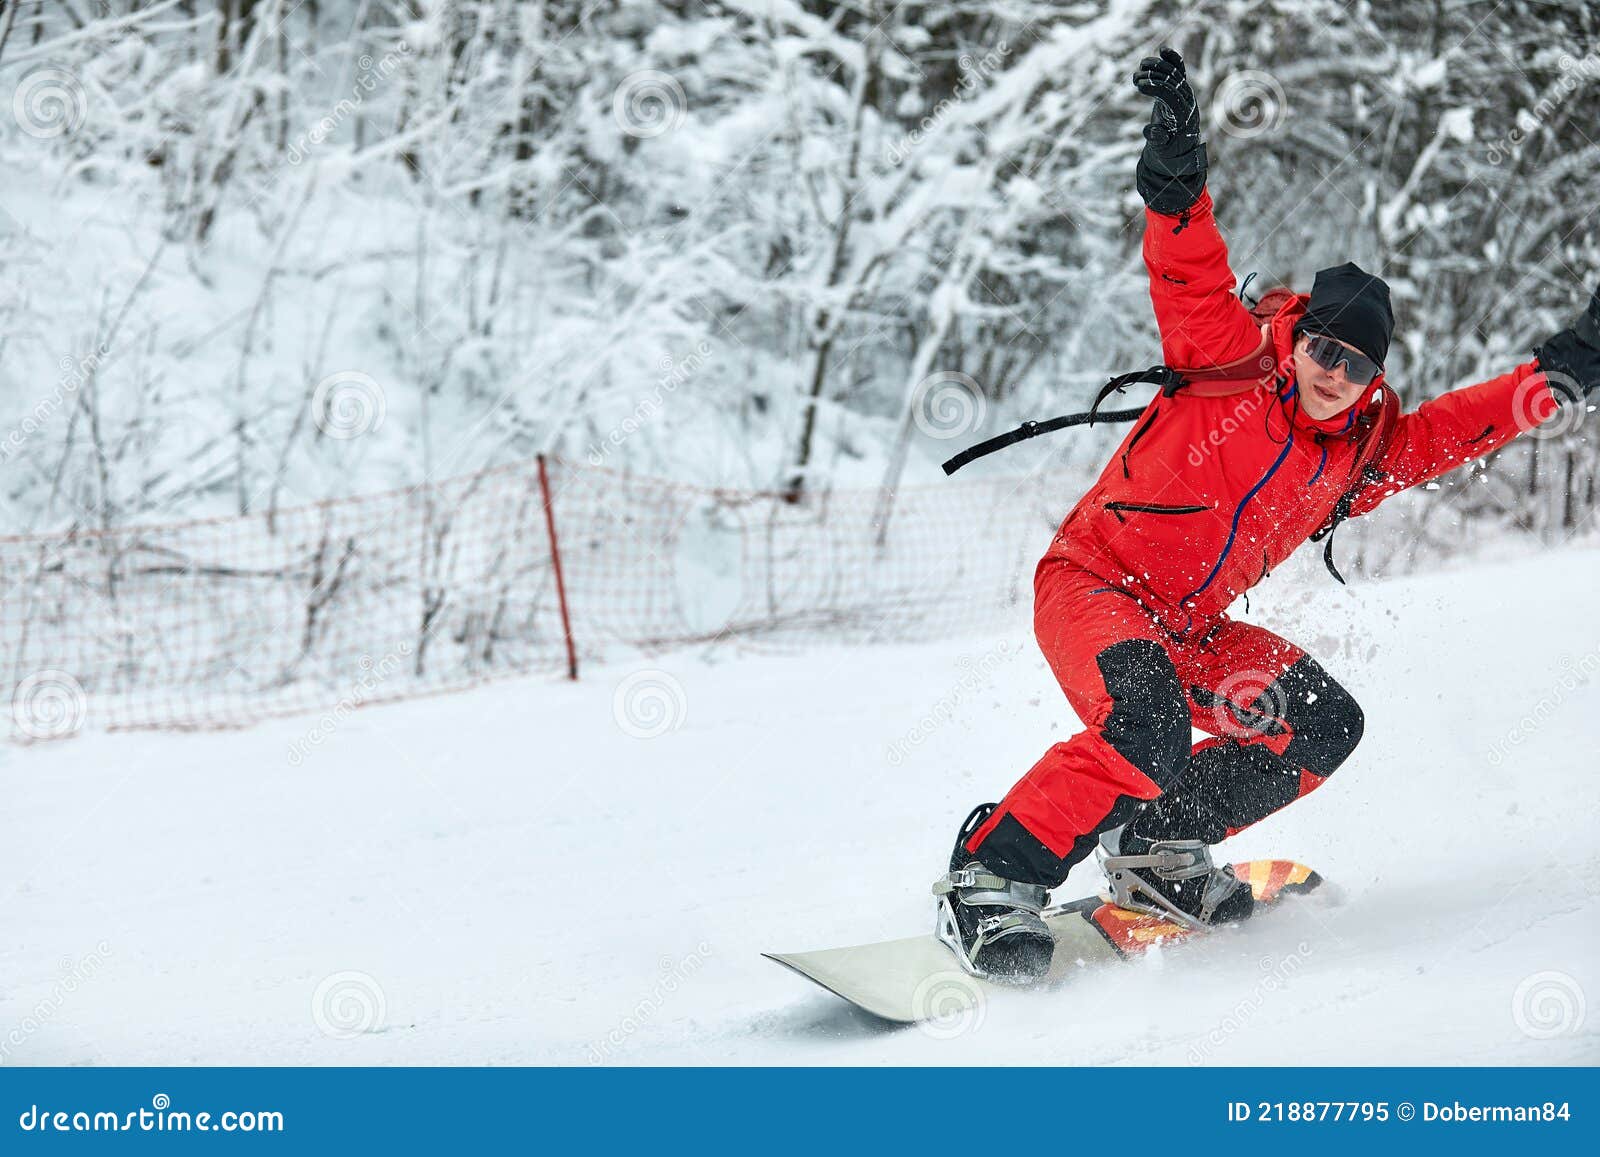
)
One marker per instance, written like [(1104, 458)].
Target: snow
[(545, 872)]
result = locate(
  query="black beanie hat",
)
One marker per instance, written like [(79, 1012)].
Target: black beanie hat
[(1352, 305)]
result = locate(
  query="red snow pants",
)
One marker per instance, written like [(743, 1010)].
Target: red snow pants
[(1278, 726)]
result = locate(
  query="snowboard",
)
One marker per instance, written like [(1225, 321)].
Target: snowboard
[(919, 979)]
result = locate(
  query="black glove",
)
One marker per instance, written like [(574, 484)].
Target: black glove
[(1571, 358), (1172, 169)]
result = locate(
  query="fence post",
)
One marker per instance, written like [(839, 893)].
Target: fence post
[(555, 559)]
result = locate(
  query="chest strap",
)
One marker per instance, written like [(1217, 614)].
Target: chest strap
[(1236, 377)]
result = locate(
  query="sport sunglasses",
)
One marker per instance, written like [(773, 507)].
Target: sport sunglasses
[(1327, 353)]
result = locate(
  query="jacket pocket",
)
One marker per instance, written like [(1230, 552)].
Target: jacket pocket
[(1121, 508)]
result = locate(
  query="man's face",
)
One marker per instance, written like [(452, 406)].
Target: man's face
[(1324, 393)]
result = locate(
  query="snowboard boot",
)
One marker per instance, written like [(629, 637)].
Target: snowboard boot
[(1173, 879), (992, 924)]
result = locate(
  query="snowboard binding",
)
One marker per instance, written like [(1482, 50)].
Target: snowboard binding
[(1173, 879), (991, 924)]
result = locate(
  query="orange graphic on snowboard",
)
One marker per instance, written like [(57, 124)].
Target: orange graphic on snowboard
[(1132, 933)]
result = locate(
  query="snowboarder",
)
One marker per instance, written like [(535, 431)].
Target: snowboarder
[(1286, 429)]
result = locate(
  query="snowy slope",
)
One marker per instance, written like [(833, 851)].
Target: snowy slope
[(510, 876)]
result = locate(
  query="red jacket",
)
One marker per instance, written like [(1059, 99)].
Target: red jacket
[(1206, 495)]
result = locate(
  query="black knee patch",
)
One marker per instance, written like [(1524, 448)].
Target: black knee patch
[(1326, 721), (1149, 721), (1226, 786)]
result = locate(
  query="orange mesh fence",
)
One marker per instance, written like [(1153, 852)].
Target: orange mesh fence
[(331, 606)]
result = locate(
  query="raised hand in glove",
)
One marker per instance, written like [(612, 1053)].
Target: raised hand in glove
[(1571, 358), (1172, 169)]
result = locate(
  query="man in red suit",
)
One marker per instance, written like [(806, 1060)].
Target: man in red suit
[(1283, 427)]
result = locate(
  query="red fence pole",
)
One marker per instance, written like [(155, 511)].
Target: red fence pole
[(555, 559)]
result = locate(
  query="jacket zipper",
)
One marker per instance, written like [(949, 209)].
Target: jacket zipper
[(1134, 441), (1117, 508)]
